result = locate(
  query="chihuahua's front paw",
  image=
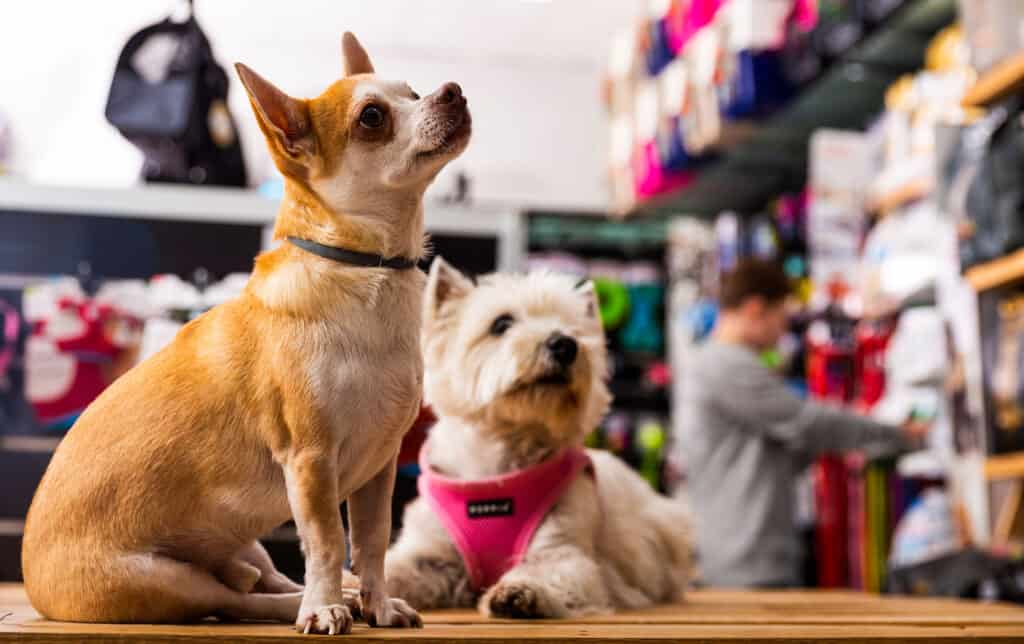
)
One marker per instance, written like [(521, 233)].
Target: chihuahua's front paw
[(516, 600), (394, 613), (332, 619)]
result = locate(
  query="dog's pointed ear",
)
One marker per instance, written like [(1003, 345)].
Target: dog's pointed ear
[(357, 61), (284, 120), (444, 284), (586, 290)]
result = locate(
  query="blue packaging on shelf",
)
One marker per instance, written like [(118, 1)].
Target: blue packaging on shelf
[(642, 332), (672, 152), (759, 87), (659, 54)]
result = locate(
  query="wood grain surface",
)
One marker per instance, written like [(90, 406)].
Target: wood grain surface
[(706, 616)]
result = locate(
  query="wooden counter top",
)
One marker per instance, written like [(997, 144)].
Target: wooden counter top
[(737, 616)]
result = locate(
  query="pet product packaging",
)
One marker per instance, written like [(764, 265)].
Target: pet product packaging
[(79, 345)]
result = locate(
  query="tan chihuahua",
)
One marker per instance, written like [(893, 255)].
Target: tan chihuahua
[(277, 405)]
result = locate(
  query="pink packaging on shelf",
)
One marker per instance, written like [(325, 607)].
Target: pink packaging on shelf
[(805, 14), (650, 178), (685, 18)]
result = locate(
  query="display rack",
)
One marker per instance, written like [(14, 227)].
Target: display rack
[(773, 159), (985, 277)]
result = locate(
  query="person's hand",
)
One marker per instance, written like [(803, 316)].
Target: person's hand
[(916, 431), (880, 307)]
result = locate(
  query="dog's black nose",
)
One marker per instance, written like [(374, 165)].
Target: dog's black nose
[(449, 93), (563, 349)]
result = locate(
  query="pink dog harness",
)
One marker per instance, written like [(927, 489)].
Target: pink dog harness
[(492, 520)]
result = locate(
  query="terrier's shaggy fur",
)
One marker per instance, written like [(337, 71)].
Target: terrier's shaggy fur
[(505, 402)]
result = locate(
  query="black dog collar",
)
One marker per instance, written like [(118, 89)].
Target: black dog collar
[(355, 258)]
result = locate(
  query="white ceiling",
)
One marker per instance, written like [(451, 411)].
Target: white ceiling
[(531, 69), (566, 31)]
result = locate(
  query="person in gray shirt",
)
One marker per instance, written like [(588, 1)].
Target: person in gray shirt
[(746, 436)]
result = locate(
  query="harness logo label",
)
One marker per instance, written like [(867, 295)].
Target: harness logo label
[(490, 508)]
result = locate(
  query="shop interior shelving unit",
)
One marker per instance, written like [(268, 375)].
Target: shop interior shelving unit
[(761, 160), (994, 85), (113, 210), (769, 158), (984, 278)]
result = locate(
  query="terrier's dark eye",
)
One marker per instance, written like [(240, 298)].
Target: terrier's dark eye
[(371, 117), (501, 324), (415, 96)]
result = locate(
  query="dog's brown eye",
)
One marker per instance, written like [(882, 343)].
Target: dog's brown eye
[(371, 117), (415, 96), (501, 324)]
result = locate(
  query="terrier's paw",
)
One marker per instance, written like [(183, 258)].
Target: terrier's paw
[(394, 613), (515, 600), (333, 619), (403, 580)]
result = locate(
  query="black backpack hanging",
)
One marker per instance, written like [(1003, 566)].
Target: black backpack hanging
[(177, 116)]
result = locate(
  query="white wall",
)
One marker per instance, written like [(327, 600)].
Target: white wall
[(531, 70)]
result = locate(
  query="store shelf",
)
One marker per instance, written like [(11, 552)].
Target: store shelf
[(1005, 466), (11, 527), (29, 444), (849, 95), (220, 205), (996, 272), (568, 231), (188, 203), (997, 83)]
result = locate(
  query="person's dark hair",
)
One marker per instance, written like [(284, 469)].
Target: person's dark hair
[(754, 278)]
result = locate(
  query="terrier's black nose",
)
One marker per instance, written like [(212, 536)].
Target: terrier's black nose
[(563, 349), (449, 93)]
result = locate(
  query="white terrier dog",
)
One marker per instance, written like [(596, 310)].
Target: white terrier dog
[(514, 514)]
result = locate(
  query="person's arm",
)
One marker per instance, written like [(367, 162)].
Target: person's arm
[(762, 403)]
